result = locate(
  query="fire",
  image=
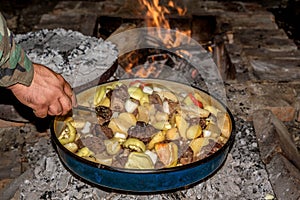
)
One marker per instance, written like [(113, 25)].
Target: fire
[(156, 17)]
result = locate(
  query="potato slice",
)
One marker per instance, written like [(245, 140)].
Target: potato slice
[(193, 132), (71, 147), (124, 121), (167, 153), (143, 114), (197, 144), (172, 134), (158, 137), (212, 109), (113, 125), (138, 160), (213, 129), (112, 146), (182, 125), (224, 123)]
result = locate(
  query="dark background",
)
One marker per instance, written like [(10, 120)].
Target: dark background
[(24, 14)]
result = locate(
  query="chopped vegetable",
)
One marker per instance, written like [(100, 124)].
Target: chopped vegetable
[(182, 125), (84, 152), (167, 153), (223, 121), (100, 94), (135, 145), (137, 160), (195, 101), (158, 137), (130, 106), (112, 146), (68, 135), (193, 132), (135, 93)]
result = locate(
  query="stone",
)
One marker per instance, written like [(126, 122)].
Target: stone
[(272, 40), (259, 20), (255, 53), (275, 69), (84, 23), (254, 37), (279, 153), (4, 182), (9, 190), (297, 106), (282, 109), (273, 137), (284, 177)]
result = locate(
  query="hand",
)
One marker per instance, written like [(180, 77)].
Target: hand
[(48, 93)]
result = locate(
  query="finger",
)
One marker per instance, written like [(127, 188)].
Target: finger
[(55, 109), (67, 89), (66, 104), (41, 112), (70, 93), (74, 100)]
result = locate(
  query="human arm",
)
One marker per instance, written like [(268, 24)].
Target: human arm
[(34, 85), (48, 93)]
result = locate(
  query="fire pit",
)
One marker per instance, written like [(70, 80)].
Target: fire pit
[(243, 174)]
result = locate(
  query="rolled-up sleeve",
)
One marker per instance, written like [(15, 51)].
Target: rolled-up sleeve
[(15, 66)]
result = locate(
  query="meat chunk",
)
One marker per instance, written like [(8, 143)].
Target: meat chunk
[(198, 121), (142, 131), (173, 106), (103, 114), (95, 144), (118, 98), (155, 99), (104, 132)]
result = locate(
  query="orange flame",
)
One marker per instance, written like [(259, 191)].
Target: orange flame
[(156, 17)]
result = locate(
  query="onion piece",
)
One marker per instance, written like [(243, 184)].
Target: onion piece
[(130, 106), (166, 107), (147, 90), (152, 155)]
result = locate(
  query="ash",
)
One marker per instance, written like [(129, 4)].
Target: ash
[(243, 176), (78, 58)]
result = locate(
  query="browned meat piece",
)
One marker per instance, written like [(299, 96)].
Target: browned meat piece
[(79, 143), (186, 157), (121, 159), (208, 149), (215, 147), (173, 106), (103, 132), (95, 144), (198, 121), (155, 99), (107, 132), (142, 131), (118, 98), (103, 114)]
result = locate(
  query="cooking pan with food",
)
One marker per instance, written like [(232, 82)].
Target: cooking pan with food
[(144, 135)]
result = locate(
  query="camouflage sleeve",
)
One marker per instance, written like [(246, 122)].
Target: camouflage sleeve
[(15, 67)]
